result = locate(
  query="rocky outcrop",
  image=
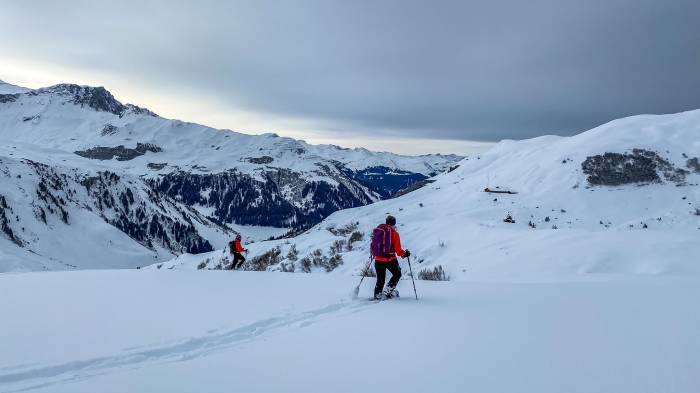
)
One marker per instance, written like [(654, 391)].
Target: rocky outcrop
[(5, 98), (638, 167), (120, 152), (97, 98), (260, 160)]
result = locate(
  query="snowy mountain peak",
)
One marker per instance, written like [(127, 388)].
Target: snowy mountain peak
[(97, 98)]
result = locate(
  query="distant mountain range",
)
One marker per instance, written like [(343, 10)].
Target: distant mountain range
[(89, 182)]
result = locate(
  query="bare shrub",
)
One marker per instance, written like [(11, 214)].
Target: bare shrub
[(293, 254), (344, 230), (262, 262), (356, 236), (333, 262), (368, 271), (337, 247), (306, 264), (287, 267), (435, 274)]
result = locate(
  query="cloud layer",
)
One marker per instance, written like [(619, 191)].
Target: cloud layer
[(462, 70)]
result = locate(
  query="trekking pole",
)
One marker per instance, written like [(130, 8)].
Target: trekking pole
[(412, 279), (364, 273)]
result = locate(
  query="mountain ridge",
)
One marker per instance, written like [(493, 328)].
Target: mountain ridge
[(211, 181)]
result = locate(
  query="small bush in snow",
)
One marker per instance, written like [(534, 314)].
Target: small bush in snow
[(369, 271), (293, 254), (201, 265), (436, 274), (337, 247), (509, 219), (318, 259), (333, 262), (344, 230), (287, 267), (356, 236), (697, 212), (306, 264), (441, 243)]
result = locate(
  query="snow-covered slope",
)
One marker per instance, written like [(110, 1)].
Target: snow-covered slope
[(131, 188), (576, 210), (6, 88), (145, 331)]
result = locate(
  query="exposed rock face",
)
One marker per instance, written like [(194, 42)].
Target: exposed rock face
[(640, 166), (156, 166), (5, 98), (108, 129), (97, 98), (260, 160), (120, 152)]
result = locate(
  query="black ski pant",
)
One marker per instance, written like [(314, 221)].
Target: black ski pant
[(381, 268), (238, 260)]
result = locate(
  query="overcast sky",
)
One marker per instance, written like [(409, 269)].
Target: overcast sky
[(407, 76)]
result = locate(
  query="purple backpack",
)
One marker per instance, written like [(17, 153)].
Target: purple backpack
[(381, 241)]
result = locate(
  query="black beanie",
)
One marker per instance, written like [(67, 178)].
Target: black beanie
[(390, 220)]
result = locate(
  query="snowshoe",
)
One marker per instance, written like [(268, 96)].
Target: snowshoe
[(391, 293)]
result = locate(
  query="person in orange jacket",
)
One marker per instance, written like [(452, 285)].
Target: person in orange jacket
[(237, 251), (384, 261)]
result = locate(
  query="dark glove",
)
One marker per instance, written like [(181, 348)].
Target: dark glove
[(407, 254)]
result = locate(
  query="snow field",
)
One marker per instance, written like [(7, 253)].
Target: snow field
[(183, 331)]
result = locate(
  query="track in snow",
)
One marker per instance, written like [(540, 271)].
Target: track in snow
[(23, 379)]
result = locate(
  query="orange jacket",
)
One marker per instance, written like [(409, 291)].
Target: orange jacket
[(395, 248), (237, 246)]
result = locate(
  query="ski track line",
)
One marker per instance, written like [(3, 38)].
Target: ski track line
[(33, 378)]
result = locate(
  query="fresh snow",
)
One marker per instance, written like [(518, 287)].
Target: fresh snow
[(180, 331), (6, 88)]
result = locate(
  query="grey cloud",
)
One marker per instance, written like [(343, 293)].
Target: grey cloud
[(465, 70)]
